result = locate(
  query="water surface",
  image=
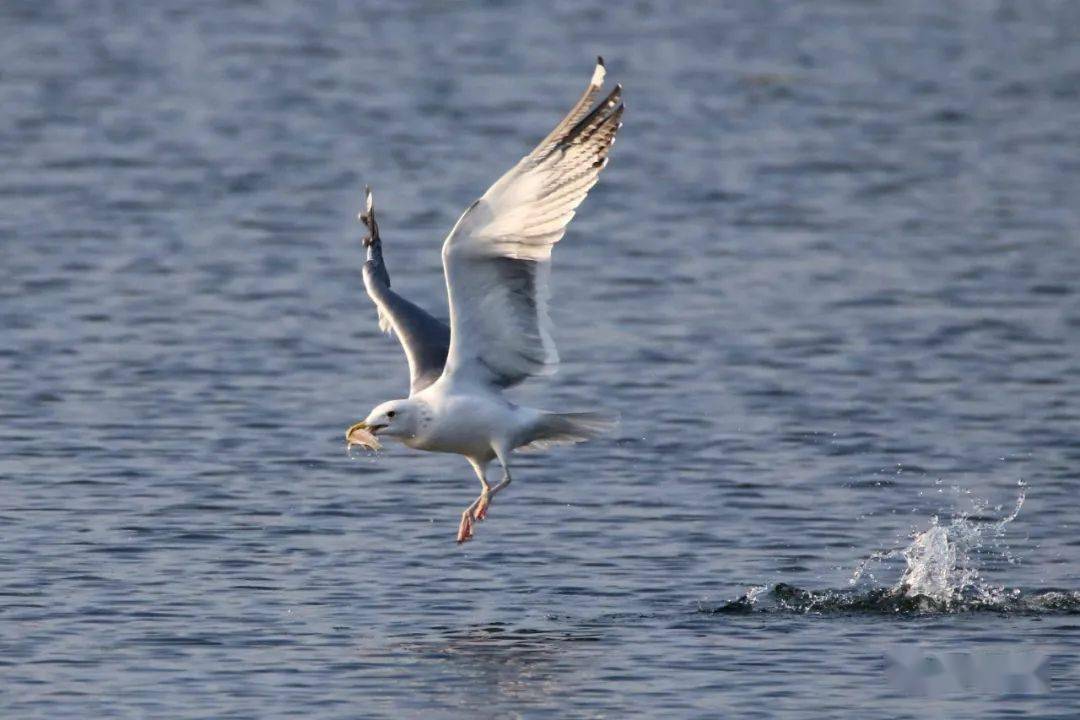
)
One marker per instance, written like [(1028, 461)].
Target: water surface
[(828, 281)]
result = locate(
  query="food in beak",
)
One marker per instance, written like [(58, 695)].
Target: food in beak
[(359, 434)]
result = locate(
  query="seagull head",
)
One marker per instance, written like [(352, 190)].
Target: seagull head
[(395, 418)]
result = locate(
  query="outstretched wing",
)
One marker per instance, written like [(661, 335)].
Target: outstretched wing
[(425, 339), (498, 256)]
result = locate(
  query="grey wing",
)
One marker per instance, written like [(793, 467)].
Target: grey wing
[(498, 257), (425, 339)]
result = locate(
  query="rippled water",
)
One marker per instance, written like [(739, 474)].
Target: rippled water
[(828, 281)]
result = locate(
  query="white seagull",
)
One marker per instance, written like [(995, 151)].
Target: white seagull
[(496, 259)]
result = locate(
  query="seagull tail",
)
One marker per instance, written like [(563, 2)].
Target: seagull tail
[(560, 428)]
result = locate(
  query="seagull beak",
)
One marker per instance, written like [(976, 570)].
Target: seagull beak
[(363, 435)]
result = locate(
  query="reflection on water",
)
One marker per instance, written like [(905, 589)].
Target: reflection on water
[(510, 664)]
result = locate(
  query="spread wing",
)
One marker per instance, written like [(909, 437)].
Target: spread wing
[(498, 256), (425, 339)]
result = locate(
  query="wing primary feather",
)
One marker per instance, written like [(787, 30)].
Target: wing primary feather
[(599, 114), (580, 109)]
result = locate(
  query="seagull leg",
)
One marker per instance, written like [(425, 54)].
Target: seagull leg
[(478, 509), (484, 500), (506, 477), (505, 483)]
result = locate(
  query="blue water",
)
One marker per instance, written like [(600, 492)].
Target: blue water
[(828, 281)]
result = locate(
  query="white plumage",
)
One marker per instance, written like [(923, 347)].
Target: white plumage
[(496, 260)]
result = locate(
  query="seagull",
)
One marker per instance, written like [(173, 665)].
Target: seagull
[(497, 261)]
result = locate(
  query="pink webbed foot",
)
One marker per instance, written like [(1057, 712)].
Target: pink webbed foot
[(465, 529), (482, 504)]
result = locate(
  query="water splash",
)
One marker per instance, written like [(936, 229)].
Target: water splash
[(942, 560), (935, 566), (941, 575)]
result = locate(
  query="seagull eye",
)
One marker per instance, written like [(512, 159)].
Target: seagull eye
[(391, 413)]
